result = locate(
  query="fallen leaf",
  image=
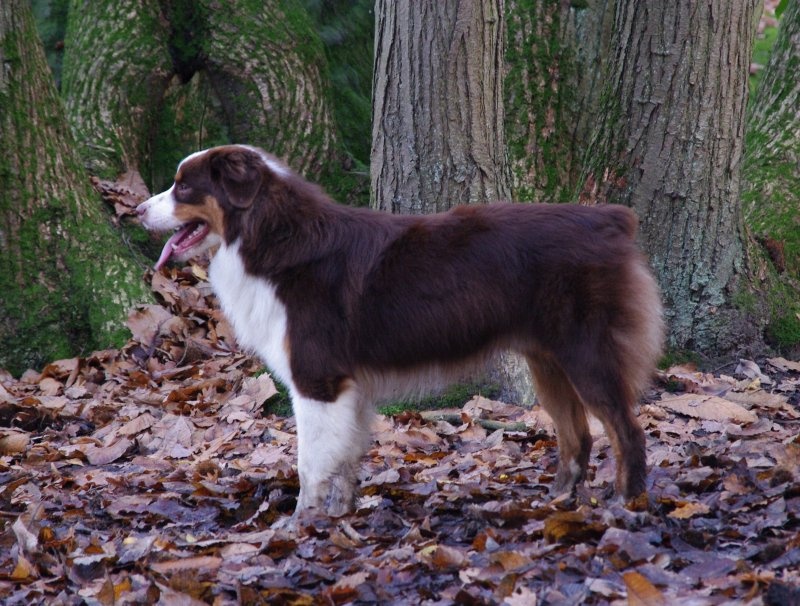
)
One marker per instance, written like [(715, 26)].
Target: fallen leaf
[(267, 455), (13, 442), (442, 557), (352, 580), (27, 540), (137, 424), (758, 399), (570, 527), (145, 322), (510, 560), (688, 510), (784, 365), (50, 387), (5, 395), (102, 455), (522, 596), (23, 570), (642, 592), (176, 441), (751, 370), (688, 379), (124, 194), (135, 548), (389, 476), (190, 563), (711, 408)]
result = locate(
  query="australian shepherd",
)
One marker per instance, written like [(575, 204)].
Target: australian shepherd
[(348, 306)]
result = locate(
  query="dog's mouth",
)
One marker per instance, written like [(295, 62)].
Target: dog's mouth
[(185, 238)]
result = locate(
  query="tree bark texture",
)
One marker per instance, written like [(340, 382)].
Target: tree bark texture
[(772, 159), (670, 145), (248, 72), (437, 134), (115, 70), (555, 55), (67, 281)]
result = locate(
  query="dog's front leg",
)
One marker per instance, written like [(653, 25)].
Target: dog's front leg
[(332, 437)]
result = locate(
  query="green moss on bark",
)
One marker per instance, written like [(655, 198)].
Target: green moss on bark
[(771, 191), (347, 30), (66, 280)]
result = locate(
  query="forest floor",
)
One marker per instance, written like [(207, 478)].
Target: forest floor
[(151, 474)]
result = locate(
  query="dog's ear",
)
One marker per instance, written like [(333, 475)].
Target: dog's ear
[(239, 173)]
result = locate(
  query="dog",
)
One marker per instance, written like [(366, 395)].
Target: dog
[(348, 306)]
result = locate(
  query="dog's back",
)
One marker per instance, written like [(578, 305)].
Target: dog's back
[(480, 277)]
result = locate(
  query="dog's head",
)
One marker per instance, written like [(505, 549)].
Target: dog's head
[(210, 187)]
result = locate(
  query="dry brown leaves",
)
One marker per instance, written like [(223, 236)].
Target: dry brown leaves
[(124, 194), (151, 475)]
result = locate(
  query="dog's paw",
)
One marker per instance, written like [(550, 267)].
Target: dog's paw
[(568, 476), (334, 497), (341, 497)]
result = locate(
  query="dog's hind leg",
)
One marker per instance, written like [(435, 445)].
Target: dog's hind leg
[(601, 381), (562, 403), (332, 437)]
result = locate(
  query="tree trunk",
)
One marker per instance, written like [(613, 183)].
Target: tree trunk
[(555, 55), (67, 281), (116, 68), (437, 122), (772, 178), (161, 79), (437, 133), (772, 160), (670, 145)]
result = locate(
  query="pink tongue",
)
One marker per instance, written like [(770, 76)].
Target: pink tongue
[(168, 249)]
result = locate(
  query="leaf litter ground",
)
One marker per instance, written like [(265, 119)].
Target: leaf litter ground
[(151, 475)]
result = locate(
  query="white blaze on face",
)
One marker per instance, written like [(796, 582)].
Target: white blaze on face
[(158, 213)]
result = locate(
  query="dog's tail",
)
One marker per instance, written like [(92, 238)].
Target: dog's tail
[(640, 344)]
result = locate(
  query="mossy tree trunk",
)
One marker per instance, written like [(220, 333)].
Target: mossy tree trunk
[(555, 55), (347, 29), (670, 145), (147, 82), (438, 137), (772, 177), (772, 159), (437, 121), (67, 281)]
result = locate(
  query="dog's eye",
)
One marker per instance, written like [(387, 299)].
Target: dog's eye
[(182, 188)]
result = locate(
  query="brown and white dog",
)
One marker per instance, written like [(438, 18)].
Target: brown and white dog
[(347, 306)]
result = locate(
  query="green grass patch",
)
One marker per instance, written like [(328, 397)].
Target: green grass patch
[(783, 330), (453, 397), (677, 357)]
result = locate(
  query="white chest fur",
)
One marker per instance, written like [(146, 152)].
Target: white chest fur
[(251, 305)]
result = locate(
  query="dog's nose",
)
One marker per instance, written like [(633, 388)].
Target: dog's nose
[(141, 209)]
